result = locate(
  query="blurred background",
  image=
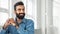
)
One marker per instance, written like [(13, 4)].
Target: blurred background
[(44, 13)]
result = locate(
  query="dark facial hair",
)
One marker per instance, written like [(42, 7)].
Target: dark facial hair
[(20, 16)]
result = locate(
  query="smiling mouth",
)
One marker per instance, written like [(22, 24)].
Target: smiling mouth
[(21, 14)]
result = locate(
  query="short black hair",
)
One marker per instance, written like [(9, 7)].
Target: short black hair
[(18, 3)]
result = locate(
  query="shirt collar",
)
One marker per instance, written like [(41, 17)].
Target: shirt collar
[(23, 20)]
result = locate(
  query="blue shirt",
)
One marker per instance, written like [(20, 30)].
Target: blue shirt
[(25, 27)]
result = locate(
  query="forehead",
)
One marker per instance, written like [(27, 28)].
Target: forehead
[(20, 6)]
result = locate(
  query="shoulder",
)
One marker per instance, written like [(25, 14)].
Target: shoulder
[(30, 21)]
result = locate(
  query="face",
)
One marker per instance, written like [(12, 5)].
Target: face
[(20, 11)]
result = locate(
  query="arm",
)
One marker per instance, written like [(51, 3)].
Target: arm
[(6, 28), (30, 27), (3, 31)]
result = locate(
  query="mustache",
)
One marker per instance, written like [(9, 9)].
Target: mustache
[(21, 13)]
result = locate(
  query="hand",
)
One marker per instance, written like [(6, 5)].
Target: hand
[(6, 24), (10, 21)]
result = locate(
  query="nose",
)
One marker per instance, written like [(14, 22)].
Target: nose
[(21, 11)]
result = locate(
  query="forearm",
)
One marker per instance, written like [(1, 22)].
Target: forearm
[(2, 31)]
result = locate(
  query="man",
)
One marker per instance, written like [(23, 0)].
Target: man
[(20, 25)]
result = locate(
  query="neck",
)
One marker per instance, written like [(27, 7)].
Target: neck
[(19, 20)]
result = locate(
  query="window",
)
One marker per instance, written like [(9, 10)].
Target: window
[(31, 11), (3, 11), (4, 4), (56, 15), (3, 18)]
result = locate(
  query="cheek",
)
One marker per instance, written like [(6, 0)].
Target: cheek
[(17, 11)]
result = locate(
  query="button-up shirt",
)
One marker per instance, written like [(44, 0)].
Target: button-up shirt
[(26, 26)]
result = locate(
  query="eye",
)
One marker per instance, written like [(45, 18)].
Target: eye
[(19, 9), (23, 9)]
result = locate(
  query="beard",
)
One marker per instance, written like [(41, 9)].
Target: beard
[(20, 16)]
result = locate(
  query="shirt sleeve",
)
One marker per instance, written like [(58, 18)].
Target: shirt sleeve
[(3, 31), (29, 28)]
